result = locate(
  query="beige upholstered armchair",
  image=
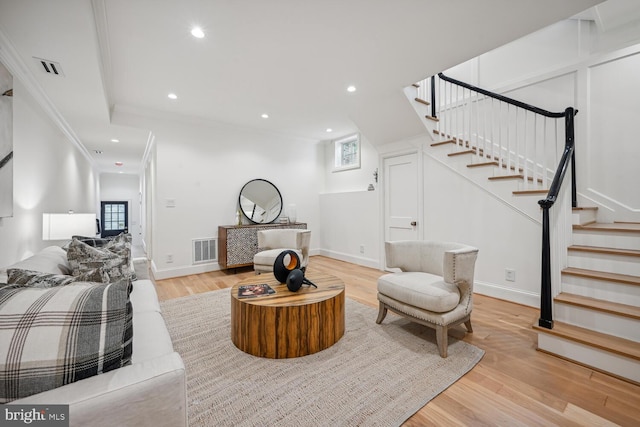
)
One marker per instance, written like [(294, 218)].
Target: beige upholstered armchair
[(272, 242), (434, 288)]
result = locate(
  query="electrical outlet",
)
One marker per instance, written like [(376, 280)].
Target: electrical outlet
[(169, 258), (361, 249), (509, 275)]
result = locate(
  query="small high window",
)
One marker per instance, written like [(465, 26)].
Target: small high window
[(347, 153)]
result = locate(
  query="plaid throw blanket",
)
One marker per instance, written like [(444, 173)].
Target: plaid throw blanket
[(54, 336)]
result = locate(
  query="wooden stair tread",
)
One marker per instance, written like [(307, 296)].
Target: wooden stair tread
[(422, 101), (615, 308), (459, 153), (585, 208), (477, 165), (415, 85), (613, 344), (516, 176), (630, 227), (498, 177), (435, 119), (445, 142), (608, 251), (530, 192), (472, 149), (602, 275)]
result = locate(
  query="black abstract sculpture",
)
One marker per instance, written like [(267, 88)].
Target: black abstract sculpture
[(286, 269)]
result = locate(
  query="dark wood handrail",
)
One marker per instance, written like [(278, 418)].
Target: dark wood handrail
[(567, 161), (502, 98), (6, 159)]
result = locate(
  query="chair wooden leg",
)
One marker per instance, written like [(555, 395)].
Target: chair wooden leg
[(442, 340), (468, 325), (382, 312)]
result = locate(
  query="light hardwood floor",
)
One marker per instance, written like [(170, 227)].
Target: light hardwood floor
[(512, 385)]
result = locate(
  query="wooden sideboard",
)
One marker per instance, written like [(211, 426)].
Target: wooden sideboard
[(237, 244)]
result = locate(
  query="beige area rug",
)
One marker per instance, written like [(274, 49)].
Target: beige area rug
[(376, 375)]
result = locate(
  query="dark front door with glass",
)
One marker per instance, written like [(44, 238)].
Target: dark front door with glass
[(115, 219)]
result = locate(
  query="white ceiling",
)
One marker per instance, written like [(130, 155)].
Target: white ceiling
[(292, 59)]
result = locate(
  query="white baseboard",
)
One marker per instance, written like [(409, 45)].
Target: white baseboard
[(182, 271), (169, 273), (365, 262), (509, 294), (483, 288)]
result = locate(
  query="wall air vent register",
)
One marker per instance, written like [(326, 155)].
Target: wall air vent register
[(49, 66), (205, 250)]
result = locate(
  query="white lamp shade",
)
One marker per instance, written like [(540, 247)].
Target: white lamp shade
[(64, 226)]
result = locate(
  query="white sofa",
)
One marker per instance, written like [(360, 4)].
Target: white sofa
[(151, 391)]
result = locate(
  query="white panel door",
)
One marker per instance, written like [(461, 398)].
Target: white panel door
[(401, 197)]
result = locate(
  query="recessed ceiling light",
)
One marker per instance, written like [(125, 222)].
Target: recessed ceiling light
[(115, 140), (351, 88), (172, 96), (265, 116), (329, 130), (197, 32), (119, 163)]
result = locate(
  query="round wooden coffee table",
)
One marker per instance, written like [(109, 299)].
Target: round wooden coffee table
[(288, 324)]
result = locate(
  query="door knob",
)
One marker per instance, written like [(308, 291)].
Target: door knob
[(414, 223)]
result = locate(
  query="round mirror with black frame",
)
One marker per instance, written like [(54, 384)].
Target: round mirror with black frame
[(260, 201)]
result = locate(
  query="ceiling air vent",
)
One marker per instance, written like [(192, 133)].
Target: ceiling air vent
[(49, 66)]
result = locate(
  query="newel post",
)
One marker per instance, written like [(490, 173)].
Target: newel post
[(546, 315)]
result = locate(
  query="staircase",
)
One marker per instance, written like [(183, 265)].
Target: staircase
[(596, 310)]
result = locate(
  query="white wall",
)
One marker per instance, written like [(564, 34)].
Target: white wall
[(124, 187), (50, 175), (611, 160), (349, 213), (576, 63), (203, 166), (351, 227), (352, 179), (455, 209), (569, 64)]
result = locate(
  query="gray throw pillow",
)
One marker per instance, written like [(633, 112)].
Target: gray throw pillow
[(113, 258), (38, 279)]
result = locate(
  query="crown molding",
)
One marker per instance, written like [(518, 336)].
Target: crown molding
[(104, 59), (14, 63)]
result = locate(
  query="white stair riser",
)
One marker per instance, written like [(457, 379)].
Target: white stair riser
[(607, 291), (606, 240), (584, 216), (598, 321), (605, 262), (596, 358)]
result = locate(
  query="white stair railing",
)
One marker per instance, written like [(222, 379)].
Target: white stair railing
[(522, 139)]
